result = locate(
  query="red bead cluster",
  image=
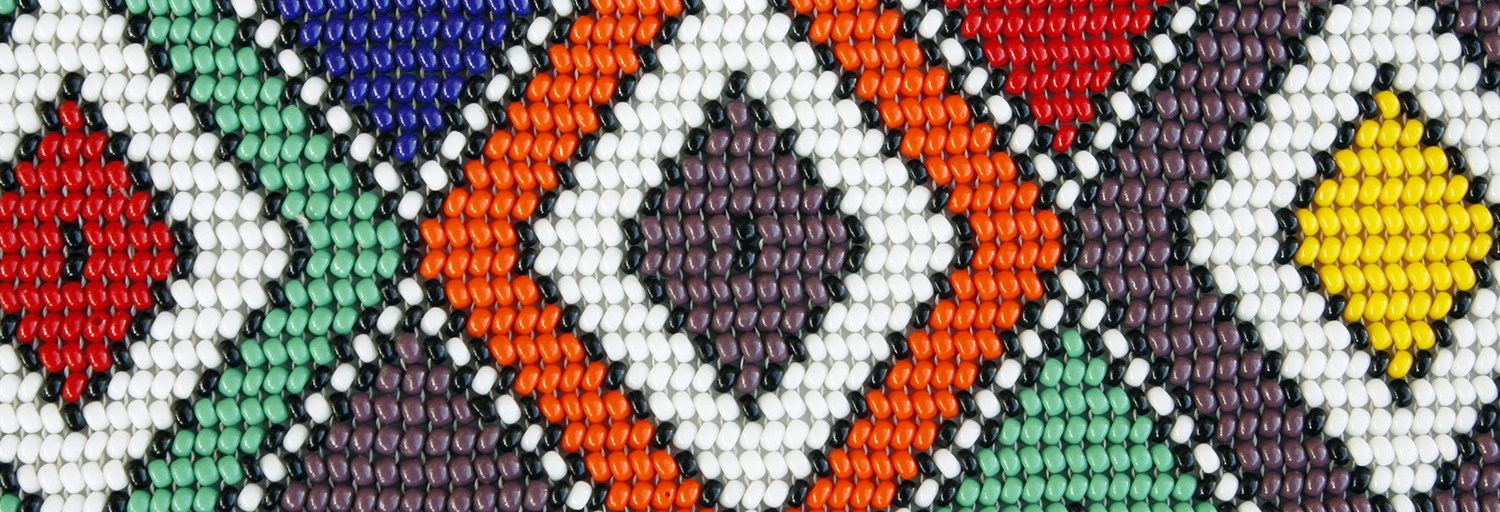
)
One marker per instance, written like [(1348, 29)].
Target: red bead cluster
[(1056, 52), (78, 254)]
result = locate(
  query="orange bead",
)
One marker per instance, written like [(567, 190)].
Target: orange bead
[(904, 432), (880, 435), (818, 495), (821, 28), (640, 463), (687, 493), (664, 464), (662, 498), (619, 493), (838, 462), (858, 434), (843, 27), (640, 495)]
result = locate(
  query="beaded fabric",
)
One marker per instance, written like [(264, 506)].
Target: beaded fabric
[(749, 255)]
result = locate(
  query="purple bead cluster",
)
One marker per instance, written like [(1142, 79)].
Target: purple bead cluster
[(408, 443)]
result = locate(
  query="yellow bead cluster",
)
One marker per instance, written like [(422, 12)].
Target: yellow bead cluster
[(1393, 232)]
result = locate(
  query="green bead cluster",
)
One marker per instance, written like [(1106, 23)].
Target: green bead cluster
[(1076, 441)]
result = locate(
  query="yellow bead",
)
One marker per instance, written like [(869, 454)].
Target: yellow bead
[(1480, 216), (1413, 161), (1442, 277), (1395, 310), (1416, 248), (1437, 218), (1332, 248), (1328, 222), (1348, 162), (1459, 247), (1437, 161), (1390, 191), (1421, 303), (1395, 223), (1366, 135), (1349, 220), (1390, 132), (1390, 105), (1354, 279), (1370, 218), (1463, 275), (1355, 309), (1411, 134), (1369, 191), (1458, 187), (1372, 164), (1396, 277), (1458, 217), (1375, 278), (1417, 275), (1412, 193), (1380, 337), (1375, 307), (1481, 246), (1308, 221), (1374, 247), (1395, 249), (1437, 247), (1333, 279), (1348, 191), (1400, 365), (1422, 336), (1392, 162), (1435, 189), (1308, 253), (1353, 247), (1442, 303), (1416, 221), (1400, 335), (1327, 192)]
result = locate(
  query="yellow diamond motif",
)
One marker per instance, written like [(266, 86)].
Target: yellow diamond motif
[(1392, 233)]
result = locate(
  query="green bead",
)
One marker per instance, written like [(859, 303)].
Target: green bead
[(205, 471), (989, 493), (1010, 432), (989, 464), (295, 176), (317, 148), (343, 292), (158, 7), (1073, 372), (1073, 343), (249, 118), (250, 442), (253, 380), (295, 381), (1140, 458), (249, 144), (179, 31), (296, 322), (1098, 403), (230, 382), (317, 264), (275, 380), (968, 493), (248, 91), (1185, 487), (1035, 488), (1010, 462), (1098, 488), (1053, 459), (317, 177), (181, 59), (1074, 432), (182, 444), (228, 412), (296, 293), (181, 7), (159, 30), (224, 60), (365, 264), (1052, 401), (1031, 403), (1078, 488), (1163, 458), (1052, 372), (319, 293), (342, 265), (1162, 487), (1098, 429), (134, 6), (205, 442), (389, 262), (1097, 458), (345, 320), (1031, 431), (1052, 433), (1119, 429), (1140, 431), (1077, 462), (1032, 460), (182, 472), (250, 350), (341, 177), (318, 234), (1096, 372), (229, 470), (161, 501), (140, 501), (366, 206), (319, 321), (224, 32), (270, 93), (229, 441), (1119, 458), (364, 234), (297, 349), (275, 352), (203, 410), (1074, 401), (1119, 487), (252, 412), (293, 205), (1057, 488), (203, 60), (270, 149), (293, 119), (341, 205), (322, 353), (341, 234), (223, 92), (160, 473), (1011, 491), (387, 234), (1119, 401), (205, 499), (203, 30)]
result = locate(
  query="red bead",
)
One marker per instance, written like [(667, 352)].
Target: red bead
[(48, 175), (9, 301), (115, 236), (51, 356), (1082, 78), (972, 24), (72, 148), (46, 150), (94, 269), (46, 208), (1041, 109), (93, 206), (1060, 51), (94, 150), (1034, 25), (1102, 77), (31, 299), (161, 236), (1039, 81), (1140, 21), (98, 354), (71, 205), (73, 387), (161, 267), (992, 24), (72, 352), (140, 296), (26, 177), (51, 325), (71, 116), (1098, 20), (115, 207), (1039, 54), (1015, 84), (140, 267), (26, 332), (1064, 109), (1084, 107), (96, 294), (72, 330), (52, 265), (1061, 79), (10, 264), (115, 270), (119, 296), (10, 240), (136, 209), (118, 325), (1056, 24), (119, 176), (72, 293)]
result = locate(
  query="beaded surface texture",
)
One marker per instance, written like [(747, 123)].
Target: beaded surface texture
[(749, 255)]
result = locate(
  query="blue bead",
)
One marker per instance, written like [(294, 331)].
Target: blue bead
[(334, 60), (432, 118), (380, 90), (452, 88), (290, 9), (427, 91), (496, 33), (406, 147), (428, 58), (358, 88), (406, 87), (475, 60), (429, 5), (405, 26), (384, 121), (359, 28), (381, 28), (407, 117), (406, 5), (333, 31), (406, 58), (474, 7), (315, 8), (474, 31), (451, 58), (359, 59), (382, 58), (338, 6), (311, 32), (453, 28), (498, 6), (428, 27), (382, 5), (453, 6), (520, 7), (360, 6)]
